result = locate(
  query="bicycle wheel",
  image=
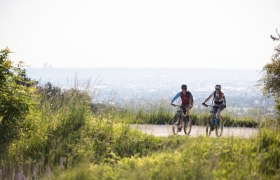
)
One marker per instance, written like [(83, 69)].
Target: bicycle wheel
[(175, 126), (219, 128), (175, 129), (208, 127), (188, 126)]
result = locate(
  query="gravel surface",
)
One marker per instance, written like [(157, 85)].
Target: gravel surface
[(166, 130)]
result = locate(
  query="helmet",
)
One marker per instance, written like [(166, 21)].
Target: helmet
[(218, 87), (184, 87)]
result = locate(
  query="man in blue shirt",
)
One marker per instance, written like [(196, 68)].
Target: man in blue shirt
[(187, 100)]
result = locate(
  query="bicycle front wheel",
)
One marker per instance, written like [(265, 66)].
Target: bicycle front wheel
[(175, 129), (219, 129), (188, 126), (175, 124), (208, 128)]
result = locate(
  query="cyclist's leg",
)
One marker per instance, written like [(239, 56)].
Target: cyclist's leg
[(214, 117), (209, 122), (188, 112), (219, 113), (184, 108), (211, 115), (219, 116), (219, 110), (188, 107)]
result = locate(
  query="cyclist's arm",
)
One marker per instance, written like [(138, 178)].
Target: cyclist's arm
[(191, 99), (177, 95), (224, 100), (207, 99)]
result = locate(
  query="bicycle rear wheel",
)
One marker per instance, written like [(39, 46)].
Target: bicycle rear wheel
[(188, 126)]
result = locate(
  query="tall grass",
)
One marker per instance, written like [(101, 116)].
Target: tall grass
[(196, 158)]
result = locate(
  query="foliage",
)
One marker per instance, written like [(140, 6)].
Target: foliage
[(15, 98), (271, 79), (62, 132), (195, 158), (269, 147)]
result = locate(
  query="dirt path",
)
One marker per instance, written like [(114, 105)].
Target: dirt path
[(166, 130)]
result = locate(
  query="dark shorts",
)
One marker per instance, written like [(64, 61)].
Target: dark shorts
[(215, 108), (184, 106)]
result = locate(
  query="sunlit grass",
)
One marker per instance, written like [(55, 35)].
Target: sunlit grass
[(195, 158)]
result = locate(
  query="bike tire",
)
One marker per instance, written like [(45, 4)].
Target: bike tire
[(175, 129), (188, 127), (174, 126), (208, 128), (219, 129)]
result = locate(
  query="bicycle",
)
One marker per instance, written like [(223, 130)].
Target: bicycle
[(213, 123), (180, 122)]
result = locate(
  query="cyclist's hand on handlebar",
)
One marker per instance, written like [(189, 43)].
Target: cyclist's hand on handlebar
[(204, 104)]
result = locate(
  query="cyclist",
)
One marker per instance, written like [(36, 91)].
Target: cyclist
[(219, 101), (187, 100)]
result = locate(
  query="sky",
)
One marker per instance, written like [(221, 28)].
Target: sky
[(223, 34)]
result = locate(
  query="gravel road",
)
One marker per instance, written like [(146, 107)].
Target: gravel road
[(166, 130)]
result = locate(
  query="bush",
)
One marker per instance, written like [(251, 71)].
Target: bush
[(15, 99)]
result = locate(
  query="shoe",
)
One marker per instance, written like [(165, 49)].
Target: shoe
[(212, 128), (179, 129)]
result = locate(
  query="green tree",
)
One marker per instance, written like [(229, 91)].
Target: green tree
[(271, 78), (16, 90)]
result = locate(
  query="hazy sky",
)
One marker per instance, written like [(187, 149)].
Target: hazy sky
[(231, 34)]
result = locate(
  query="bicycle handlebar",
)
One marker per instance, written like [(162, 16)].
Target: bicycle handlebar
[(176, 105), (207, 105)]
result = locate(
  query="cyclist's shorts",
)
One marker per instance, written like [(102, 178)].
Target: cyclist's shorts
[(215, 108), (184, 106)]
